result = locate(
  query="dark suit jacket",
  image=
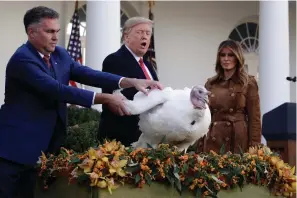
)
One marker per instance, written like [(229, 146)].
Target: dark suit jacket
[(122, 128), (35, 99)]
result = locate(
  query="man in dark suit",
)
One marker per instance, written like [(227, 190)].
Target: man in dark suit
[(33, 118), (127, 61)]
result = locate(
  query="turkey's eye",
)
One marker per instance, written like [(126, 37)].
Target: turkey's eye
[(193, 122), (200, 91)]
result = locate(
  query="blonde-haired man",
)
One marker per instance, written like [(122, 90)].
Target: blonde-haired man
[(127, 61)]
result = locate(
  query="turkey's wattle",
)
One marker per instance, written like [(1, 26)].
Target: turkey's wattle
[(182, 116)]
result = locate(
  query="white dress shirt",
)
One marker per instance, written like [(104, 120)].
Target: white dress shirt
[(137, 58)]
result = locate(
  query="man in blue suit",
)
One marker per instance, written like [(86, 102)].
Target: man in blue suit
[(127, 61), (33, 117)]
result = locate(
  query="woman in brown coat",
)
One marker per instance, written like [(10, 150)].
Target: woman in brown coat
[(234, 103)]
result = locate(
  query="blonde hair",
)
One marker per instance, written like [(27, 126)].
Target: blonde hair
[(130, 23), (240, 66)]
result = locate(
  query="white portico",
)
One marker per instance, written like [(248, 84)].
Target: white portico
[(274, 54), (187, 34)]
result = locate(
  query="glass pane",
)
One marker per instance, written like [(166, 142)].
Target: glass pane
[(252, 27), (124, 18), (242, 30), (234, 36)]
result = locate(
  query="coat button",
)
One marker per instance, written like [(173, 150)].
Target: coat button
[(215, 123), (227, 139), (212, 95), (231, 110), (213, 139), (228, 123), (215, 110), (233, 94)]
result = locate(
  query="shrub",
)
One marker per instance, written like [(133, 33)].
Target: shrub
[(78, 115), (82, 128)]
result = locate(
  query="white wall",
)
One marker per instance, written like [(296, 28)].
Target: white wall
[(292, 44), (187, 35)]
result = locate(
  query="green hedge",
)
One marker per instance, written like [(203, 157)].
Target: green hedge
[(82, 128)]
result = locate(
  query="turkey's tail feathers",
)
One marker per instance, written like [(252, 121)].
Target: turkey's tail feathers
[(143, 103)]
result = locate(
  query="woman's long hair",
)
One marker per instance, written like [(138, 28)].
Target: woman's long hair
[(240, 70)]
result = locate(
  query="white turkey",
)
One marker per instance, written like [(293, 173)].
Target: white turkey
[(181, 116)]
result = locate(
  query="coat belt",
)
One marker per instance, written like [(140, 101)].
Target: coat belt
[(229, 118)]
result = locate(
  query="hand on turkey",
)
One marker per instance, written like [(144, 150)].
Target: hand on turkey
[(141, 84), (114, 102)]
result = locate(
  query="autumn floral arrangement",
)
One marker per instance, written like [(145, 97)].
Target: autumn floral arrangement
[(111, 165)]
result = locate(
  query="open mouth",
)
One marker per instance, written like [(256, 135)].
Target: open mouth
[(143, 44)]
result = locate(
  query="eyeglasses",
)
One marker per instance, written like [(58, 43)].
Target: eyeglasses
[(226, 54)]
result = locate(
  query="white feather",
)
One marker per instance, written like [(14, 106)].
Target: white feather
[(169, 113)]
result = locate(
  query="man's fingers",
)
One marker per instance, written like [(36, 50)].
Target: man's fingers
[(143, 90), (120, 112), (125, 112)]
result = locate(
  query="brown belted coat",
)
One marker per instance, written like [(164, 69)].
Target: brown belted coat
[(235, 116)]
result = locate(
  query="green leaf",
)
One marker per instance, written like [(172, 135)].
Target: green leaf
[(222, 150), (149, 146), (163, 140), (75, 160), (147, 178), (198, 192), (137, 178), (178, 185)]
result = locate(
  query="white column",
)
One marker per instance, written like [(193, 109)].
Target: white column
[(103, 33), (274, 54)]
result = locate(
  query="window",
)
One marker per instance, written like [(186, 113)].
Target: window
[(247, 34), (82, 17)]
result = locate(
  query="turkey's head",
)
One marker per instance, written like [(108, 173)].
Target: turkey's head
[(199, 97)]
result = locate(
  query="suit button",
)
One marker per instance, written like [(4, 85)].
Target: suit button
[(212, 95), (231, 110), (228, 123), (227, 139), (233, 94), (215, 110), (213, 139), (215, 123)]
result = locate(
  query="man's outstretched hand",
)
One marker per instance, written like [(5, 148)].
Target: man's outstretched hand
[(114, 102), (140, 84)]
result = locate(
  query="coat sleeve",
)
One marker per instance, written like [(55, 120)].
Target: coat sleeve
[(110, 66), (253, 111), (28, 72), (91, 77)]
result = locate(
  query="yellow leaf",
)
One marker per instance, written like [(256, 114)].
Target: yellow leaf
[(122, 163), (293, 170), (86, 165), (105, 159), (280, 164), (102, 184), (99, 164), (92, 154), (120, 172), (112, 170)]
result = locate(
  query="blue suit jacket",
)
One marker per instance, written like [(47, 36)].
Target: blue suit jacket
[(34, 99), (122, 128)]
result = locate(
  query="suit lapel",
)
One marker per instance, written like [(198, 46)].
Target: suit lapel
[(41, 62), (135, 64), (54, 62)]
